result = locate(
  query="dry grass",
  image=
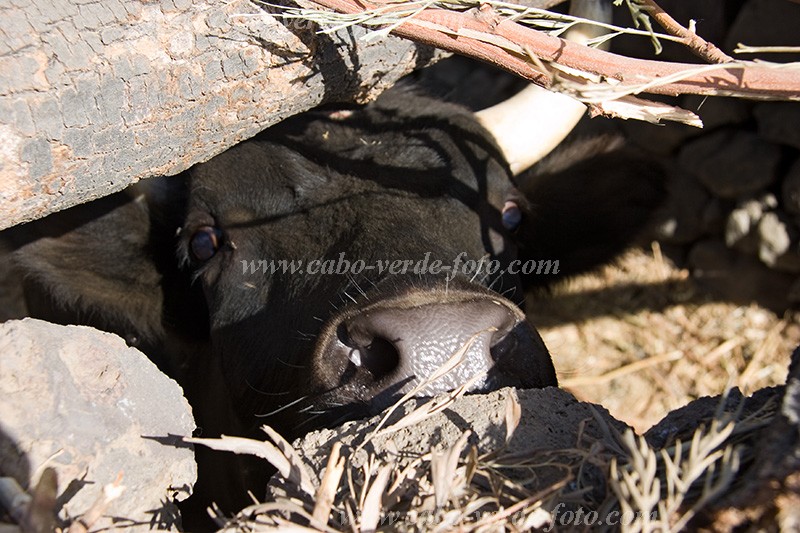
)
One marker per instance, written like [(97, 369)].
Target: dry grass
[(456, 488), (641, 339)]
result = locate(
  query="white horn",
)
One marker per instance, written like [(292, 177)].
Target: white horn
[(529, 125)]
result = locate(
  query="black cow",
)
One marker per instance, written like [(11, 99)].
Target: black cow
[(167, 264), (172, 265)]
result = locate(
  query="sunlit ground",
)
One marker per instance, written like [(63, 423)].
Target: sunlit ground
[(641, 339)]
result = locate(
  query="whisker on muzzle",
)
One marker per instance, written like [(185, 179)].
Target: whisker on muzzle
[(282, 408)]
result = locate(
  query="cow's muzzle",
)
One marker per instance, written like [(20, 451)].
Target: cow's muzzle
[(380, 351)]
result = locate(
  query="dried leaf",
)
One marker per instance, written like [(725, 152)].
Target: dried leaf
[(373, 504), (513, 415), (329, 485), (263, 449), (298, 473)]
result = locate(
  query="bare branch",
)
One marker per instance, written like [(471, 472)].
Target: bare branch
[(479, 33), (694, 42)]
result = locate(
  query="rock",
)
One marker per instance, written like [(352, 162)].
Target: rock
[(81, 401), (681, 423), (663, 139), (713, 217), (732, 164), (738, 278), (779, 122), (794, 292), (790, 189), (683, 213), (742, 223), (710, 258), (552, 419), (718, 111), (778, 243), (757, 227), (766, 23), (770, 499)]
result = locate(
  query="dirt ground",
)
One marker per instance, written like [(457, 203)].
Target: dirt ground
[(641, 338)]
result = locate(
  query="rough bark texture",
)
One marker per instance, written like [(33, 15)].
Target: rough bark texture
[(97, 95)]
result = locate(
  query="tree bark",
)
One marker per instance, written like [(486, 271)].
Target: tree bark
[(95, 96)]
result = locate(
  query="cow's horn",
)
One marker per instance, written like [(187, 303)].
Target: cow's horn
[(531, 124)]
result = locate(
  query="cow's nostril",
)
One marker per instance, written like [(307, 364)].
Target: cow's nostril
[(375, 354), (343, 335), (380, 357), (502, 343)]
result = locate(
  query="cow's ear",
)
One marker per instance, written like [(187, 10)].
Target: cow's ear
[(101, 263), (585, 206)]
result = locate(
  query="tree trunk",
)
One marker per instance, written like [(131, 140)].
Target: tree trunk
[(97, 95)]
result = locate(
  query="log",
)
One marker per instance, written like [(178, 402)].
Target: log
[(95, 96)]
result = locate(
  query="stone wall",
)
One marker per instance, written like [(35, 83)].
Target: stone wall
[(733, 215)]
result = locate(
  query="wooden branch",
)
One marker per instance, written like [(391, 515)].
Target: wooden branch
[(699, 46), (479, 34), (94, 97)]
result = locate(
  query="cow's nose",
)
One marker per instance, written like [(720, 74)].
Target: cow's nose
[(393, 348)]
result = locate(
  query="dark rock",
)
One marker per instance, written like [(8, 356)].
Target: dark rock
[(738, 278), (717, 111), (678, 254), (766, 23), (732, 164), (779, 122), (660, 139), (769, 500), (710, 258), (711, 17), (684, 421), (682, 219), (790, 189), (713, 217)]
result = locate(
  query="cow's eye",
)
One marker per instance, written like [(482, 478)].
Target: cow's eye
[(205, 242), (512, 216)]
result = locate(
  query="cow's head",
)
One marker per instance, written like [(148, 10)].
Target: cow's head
[(385, 213), (336, 260), (197, 269), (173, 264)]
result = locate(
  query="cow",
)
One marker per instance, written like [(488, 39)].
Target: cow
[(198, 270)]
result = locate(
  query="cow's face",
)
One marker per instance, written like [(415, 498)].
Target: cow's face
[(405, 179), (404, 201)]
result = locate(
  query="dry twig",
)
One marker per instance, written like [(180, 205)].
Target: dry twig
[(699, 46), (482, 34), (110, 492)]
